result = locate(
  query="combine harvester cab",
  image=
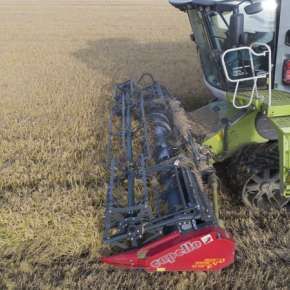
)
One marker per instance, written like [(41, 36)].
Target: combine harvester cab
[(244, 50), (157, 208)]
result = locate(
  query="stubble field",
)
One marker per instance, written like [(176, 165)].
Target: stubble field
[(58, 62)]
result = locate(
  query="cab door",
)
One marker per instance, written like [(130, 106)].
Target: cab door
[(283, 47), (209, 59)]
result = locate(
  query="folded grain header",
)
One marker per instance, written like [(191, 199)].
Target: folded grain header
[(162, 209)]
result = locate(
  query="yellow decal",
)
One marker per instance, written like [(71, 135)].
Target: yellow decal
[(207, 264)]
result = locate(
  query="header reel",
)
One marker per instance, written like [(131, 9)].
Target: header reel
[(157, 207)]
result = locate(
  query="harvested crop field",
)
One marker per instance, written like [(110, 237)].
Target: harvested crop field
[(58, 62)]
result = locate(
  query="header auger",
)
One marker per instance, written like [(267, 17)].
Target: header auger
[(162, 207)]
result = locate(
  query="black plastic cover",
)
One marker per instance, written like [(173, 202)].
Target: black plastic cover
[(189, 4), (184, 4)]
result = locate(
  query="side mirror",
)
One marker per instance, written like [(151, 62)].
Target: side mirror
[(254, 8), (237, 64), (236, 28)]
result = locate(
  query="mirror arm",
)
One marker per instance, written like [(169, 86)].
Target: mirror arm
[(245, 1), (224, 20)]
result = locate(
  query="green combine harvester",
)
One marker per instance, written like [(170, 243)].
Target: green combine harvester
[(244, 49), (158, 210)]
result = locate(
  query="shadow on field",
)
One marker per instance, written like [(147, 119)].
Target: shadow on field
[(174, 64)]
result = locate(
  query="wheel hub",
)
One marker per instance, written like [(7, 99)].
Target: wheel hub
[(266, 187), (262, 190)]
